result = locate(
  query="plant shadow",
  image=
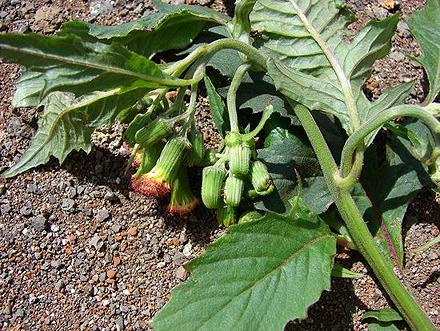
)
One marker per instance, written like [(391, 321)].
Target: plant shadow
[(100, 167), (335, 308)]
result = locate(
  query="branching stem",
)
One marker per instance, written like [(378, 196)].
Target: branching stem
[(205, 52), (357, 138)]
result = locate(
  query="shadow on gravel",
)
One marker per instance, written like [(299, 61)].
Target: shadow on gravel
[(103, 168), (100, 167)]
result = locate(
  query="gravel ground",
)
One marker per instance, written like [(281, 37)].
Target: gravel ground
[(81, 251)]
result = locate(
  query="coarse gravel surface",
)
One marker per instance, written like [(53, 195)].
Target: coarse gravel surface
[(80, 251)]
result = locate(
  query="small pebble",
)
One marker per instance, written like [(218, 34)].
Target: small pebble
[(54, 228), (181, 273), (111, 273), (116, 261), (67, 204), (132, 231), (111, 197), (102, 215), (39, 223)]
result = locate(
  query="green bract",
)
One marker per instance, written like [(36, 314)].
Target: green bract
[(213, 178), (299, 147), (153, 132)]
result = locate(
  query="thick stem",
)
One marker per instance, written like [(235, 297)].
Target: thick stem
[(232, 93), (357, 138), (358, 230)]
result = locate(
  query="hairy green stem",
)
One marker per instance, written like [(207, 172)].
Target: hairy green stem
[(266, 114), (205, 52), (232, 94), (191, 109), (358, 230), (357, 138)]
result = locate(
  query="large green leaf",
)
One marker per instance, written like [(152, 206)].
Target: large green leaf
[(286, 150), (311, 61), (389, 182), (258, 276), (172, 27), (67, 125), (424, 24), (69, 64)]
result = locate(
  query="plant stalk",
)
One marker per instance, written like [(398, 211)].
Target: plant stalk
[(205, 52), (402, 298), (232, 94)]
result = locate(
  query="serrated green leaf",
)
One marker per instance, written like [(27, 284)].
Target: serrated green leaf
[(424, 25), (339, 271), (285, 151), (313, 64), (67, 125), (218, 109), (258, 276), (173, 27), (285, 36), (387, 186), (69, 64)]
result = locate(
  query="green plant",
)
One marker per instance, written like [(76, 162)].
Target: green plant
[(301, 83)]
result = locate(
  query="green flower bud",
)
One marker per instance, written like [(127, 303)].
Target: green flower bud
[(128, 114), (182, 201), (260, 177), (138, 123), (154, 132), (226, 215), (210, 157), (212, 185), (159, 180), (234, 188), (239, 159)]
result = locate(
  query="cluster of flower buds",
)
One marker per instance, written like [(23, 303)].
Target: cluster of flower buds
[(162, 161), (234, 178)]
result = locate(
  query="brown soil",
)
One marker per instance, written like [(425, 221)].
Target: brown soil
[(80, 251)]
